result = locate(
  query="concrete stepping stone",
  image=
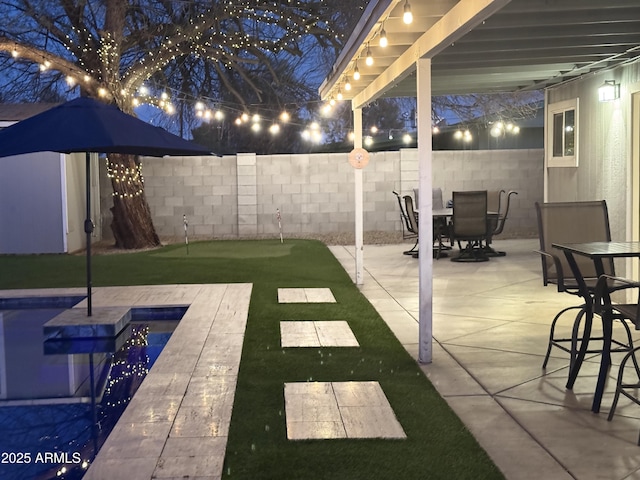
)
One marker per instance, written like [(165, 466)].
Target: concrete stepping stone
[(333, 333), (305, 295), (327, 410)]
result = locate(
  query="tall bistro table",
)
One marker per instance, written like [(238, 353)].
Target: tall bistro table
[(596, 251)]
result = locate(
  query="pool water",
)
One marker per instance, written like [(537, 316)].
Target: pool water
[(59, 400)]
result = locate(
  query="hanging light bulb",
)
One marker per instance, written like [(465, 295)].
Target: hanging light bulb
[(347, 85), (339, 96), (284, 116), (369, 59), (407, 17), (356, 73), (383, 37)]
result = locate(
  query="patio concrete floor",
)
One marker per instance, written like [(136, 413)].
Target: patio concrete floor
[(490, 327), (490, 324)]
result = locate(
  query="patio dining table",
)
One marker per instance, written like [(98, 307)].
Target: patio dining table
[(596, 251)]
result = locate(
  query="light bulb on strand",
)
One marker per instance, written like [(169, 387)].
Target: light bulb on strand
[(383, 38), (407, 16), (369, 58)]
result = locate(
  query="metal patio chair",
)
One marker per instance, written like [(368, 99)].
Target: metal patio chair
[(412, 217), (630, 311), (408, 231), (470, 225), (496, 203), (573, 222)]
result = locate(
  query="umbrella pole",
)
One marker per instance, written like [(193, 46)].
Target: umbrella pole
[(88, 229)]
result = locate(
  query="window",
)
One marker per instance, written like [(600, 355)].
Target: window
[(562, 124)]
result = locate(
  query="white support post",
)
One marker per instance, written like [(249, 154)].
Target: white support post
[(425, 207), (359, 202)]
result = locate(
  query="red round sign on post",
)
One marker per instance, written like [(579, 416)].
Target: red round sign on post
[(358, 158)]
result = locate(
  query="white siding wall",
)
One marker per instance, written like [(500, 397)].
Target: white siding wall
[(604, 138), (31, 204)]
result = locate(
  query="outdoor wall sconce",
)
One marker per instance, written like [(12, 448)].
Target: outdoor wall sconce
[(609, 91)]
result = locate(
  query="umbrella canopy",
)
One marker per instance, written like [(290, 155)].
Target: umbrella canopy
[(87, 125)]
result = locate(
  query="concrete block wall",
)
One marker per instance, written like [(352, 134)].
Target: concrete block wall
[(519, 170), (238, 196)]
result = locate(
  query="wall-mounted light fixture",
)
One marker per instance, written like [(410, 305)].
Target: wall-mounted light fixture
[(609, 91)]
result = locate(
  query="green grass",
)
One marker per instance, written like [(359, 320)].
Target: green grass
[(438, 446)]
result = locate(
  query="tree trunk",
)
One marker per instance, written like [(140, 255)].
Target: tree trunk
[(132, 225)]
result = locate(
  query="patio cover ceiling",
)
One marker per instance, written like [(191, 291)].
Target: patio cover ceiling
[(480, 46)]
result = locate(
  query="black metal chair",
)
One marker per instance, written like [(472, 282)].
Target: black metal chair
[(573, 222), (611, 311), (413, 220), (496, 203), (441, 226), (407, 230), (470, 225)]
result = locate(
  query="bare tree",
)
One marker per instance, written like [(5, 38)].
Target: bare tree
[(111, 49)]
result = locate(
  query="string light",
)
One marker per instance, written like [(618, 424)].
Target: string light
[(407, 16), (356, 72), (127, 177), (383, 37), (369, 58), (200, 36)]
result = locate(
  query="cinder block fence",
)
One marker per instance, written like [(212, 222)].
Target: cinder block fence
[(238, 196)]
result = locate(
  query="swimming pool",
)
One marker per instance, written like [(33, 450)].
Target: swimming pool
[(59, 400)]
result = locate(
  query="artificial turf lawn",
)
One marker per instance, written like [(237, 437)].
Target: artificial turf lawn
[(438, 446)]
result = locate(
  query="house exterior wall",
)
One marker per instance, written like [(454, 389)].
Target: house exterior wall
[(604, 168), (238, 196), (76, 201), (42, 203), (31, 204)]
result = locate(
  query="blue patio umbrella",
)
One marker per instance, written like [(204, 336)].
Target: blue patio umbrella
[(87, 125)]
